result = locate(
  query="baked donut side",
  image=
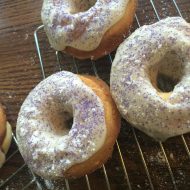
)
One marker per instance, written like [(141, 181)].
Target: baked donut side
[(112, 119), (8, 137), (2, 124), (5, 136), (2, 133), (111, 39)]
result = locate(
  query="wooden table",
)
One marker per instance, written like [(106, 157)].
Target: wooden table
[(20, 72)]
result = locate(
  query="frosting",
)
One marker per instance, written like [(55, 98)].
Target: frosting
[(45, 142), (80, 23), (2, 158), (163, 48), (7, 140)]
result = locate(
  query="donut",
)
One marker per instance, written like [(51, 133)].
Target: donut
[(150, 78), (5, 136), (87, 28), (53, 148), (2, 124), (7, 140), (2, 158)]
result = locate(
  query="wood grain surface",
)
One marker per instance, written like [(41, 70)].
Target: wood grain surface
[(20, 72)]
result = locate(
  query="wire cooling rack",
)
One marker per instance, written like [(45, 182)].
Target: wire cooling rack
[(138, 162)]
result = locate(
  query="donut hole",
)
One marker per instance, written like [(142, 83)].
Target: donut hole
[(69, 123), (167, 73), (77, 6), (61, 121), (166, 83)]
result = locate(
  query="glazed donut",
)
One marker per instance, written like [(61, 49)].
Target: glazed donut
[(150, 78), (48, 146), (5, 136), (87, 28)]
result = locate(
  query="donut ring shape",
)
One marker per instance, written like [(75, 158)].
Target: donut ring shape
[(87, 29), (161, 47), (48, 147)]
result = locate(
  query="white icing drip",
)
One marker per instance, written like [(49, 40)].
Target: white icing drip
[(89, 22), (48, 151)]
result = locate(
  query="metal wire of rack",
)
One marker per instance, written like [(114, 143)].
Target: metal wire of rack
[(35, 180)]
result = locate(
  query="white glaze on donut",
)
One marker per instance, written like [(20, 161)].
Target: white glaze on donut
[(131, 87), (2, 158), (44, 142), (80, 23)]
